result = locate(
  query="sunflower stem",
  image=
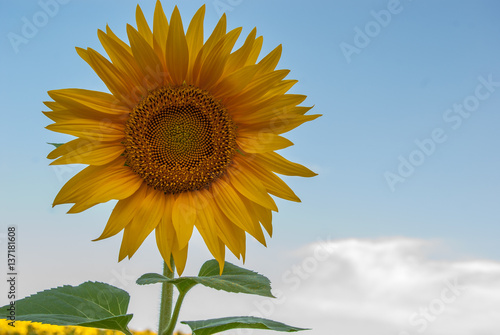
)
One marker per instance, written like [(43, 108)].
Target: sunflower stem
[(175, 315), (167, 293)]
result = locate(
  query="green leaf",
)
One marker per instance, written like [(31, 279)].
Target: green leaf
[(233, 279), (152, 278), (57, 145), (90, 304), (212, 326)]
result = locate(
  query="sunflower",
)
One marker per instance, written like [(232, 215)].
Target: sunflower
[(186, 137)]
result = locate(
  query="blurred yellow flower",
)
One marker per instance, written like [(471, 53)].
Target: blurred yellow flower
[(35, 328)]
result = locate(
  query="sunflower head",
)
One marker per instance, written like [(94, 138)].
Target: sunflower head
[(186, 136), (179, 139)]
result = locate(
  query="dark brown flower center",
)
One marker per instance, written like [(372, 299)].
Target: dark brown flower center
[(179, 138)]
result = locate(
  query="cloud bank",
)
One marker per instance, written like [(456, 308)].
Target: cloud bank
[(390, 286)]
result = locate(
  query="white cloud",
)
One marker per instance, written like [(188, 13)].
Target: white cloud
[(388, 286)]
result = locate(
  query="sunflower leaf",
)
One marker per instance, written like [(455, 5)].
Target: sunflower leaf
[(233, 279), (91, 304), (212, 326), (57, 145)]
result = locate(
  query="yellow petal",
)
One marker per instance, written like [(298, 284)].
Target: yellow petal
[(66, 147), (267, 109), (232, 205), (265, 217), (99, 184), (194, 36), (238, 58), (260, 141), (146, 58), (117, 82), (90, 129), (258, 234), (299, 110), (84, 113), (177, 52), (281, 165), (229, 233), (112, 35), (250, 188), (183, 217), (180, 257), (257, 46), (59, 116), (281, 88), (83, 53), (218, 33), (160, 31), (213, 67), (123, 213), (294, 123), (222, 257), (144, 221), (205, 223), (84, 151), (123, 60), (235, 82), (257, 89), (66, 194), (229, 202), (89, 101), (268, 63), (143, 27), (110, 190), (271, 182), (282, 124), (165, 232), (55, 106)]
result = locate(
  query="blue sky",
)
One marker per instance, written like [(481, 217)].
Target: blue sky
[(407, 146)]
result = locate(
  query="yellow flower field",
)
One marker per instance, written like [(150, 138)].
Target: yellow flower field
[(32, 328)]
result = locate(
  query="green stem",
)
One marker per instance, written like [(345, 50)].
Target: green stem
[(167, 293), (175, 315)]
